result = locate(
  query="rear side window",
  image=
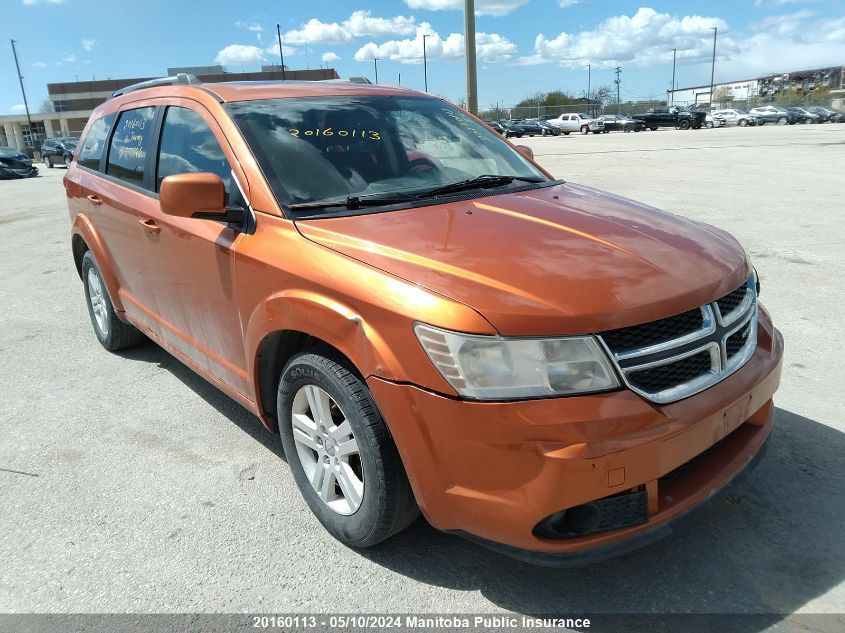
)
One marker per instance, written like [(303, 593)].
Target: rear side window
[(188, 145), (129, 145), (94, 143)]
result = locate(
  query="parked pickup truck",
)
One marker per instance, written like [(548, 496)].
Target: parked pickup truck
[(672, 116)]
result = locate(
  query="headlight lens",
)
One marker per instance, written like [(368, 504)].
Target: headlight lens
[(495, 368)]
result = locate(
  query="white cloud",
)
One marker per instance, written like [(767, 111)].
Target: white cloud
[(32, 2), (330, 57), (88, 44), (490, 47), (273, 50), (565, 4), (18, 108), (69, 58), (359, 24), (39, 64), (249, 26), (640, 40), (239, 55), (317, 32), (362, 24), (482, 7)]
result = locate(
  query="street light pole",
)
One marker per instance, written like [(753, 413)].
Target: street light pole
[(713, 65), (589, 73), (281, 54), (469, 56), (23, 93), (425, 64), (375, 64), (672, 87)]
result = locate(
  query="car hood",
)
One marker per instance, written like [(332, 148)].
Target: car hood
[(563, 259)]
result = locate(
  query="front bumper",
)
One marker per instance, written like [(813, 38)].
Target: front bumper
[(495, 470), (9, 173)]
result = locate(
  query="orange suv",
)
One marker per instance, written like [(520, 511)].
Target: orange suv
[(429, 320)]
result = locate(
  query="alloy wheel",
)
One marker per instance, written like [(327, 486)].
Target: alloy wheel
[(327, 449), (97, 298)]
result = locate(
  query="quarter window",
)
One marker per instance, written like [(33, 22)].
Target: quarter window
[(188, 145), (95, 142), (129, 145)]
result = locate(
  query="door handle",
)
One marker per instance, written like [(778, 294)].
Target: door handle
[(150, 226), (95, 199)]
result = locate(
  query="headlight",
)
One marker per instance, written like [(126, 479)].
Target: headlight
[(496, 368)]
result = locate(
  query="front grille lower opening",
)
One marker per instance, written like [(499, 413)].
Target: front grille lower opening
[(611, 513)]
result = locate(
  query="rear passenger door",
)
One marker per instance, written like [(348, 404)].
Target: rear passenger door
[(123, 199)]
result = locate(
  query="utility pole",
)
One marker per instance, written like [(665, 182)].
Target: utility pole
[(307, 62), (425, 64), (23, 93), (281, 54), (589, 72), (400, 79), (375, 64), (618, 103), (674, 56), (469, 56), (713, 66)]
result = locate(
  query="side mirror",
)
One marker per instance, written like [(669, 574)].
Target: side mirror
[(196, 195), (526, 151)]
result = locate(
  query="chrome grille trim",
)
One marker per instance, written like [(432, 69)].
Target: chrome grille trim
[(712, 336)]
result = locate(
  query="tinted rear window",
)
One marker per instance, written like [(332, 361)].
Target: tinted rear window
[(129, 145)]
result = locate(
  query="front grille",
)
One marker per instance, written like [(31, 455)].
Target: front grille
[(667, 376), (731, 301), (736, 340), (678, 356), (637, 336)]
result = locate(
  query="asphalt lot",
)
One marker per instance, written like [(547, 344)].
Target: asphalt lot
[(127, 483)]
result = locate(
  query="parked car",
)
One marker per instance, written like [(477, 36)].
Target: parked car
[(15, 164), (577, 122), (711, 121), (826, 115), (619, 123), (562, 399), (546, 129), (805, 116), (673, 116), (58, 150), (774, 114), (527, 127), (506, 129), (734, 116)]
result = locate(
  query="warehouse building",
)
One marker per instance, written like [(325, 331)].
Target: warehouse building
[(74, 101), (766, 88)]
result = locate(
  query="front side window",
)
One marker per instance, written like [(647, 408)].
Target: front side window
[(327, 148), (188, 145), (129, 145), (95, 142)]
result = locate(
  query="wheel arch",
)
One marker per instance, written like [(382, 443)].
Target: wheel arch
[(85, 238), (293, 320)]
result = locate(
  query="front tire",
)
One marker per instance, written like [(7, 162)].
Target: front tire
[(684, 125), (709, 125), (67, 162), (112, 333), (585, 129), (340, 452), (48, 161), (742, 123), (783, 121)]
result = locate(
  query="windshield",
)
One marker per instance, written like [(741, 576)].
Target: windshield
[(328, 148)]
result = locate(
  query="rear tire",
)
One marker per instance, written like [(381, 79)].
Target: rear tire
[(653, 129), (112, 333), (364, 496), (684, 125), (48, 161), (566, 133)]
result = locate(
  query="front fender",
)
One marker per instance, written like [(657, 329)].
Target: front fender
[(83, 227)]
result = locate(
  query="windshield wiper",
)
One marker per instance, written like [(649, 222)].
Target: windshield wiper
[(353, 202), (481, 182)]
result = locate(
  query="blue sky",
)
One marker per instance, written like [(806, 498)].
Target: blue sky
[(524, 46)]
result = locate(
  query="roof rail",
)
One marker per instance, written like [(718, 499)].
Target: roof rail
[(180, 79)]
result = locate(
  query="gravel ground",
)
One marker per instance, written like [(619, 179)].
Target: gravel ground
[(127, 483)]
